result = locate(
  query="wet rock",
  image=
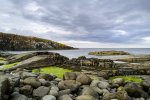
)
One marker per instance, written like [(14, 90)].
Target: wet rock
[(69, 84), (26, 90), (4, 87), (40, 91), (17, 96), (134, 90), (32, 81), (70, 76), (49, 97), (84, 79)]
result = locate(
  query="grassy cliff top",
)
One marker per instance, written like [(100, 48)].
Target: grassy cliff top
[(18, 42)]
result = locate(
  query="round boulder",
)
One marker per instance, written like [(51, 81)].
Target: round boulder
[(70, 76), (65, 97), (17, 96), (32, 81), (69, 84), (26, 90), (85, 97), (134, 90), (49, 97), (145, 84), (84, 79), (119, 81), (40, 91)]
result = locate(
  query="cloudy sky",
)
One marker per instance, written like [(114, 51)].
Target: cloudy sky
[(80, 23)]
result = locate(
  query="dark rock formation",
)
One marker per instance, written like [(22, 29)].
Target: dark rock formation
[(37, 60), (11, 42)]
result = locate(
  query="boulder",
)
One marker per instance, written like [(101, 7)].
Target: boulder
[(84, 79), (69, 84), (47, 77), (103, 84), (85, 97), (44, 82), (89, 91), (26, 90), (34, 82), (4, 87), (17, 96), (53, 92), (65, 97), (64, 92), (119, 81), (27, 74), (49, 97), (70, 76), (145, 84), (40, 91), (120, 95), (134, 90)]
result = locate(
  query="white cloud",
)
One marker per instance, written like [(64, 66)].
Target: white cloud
[(147, 39), (44, 28), (90, 44)]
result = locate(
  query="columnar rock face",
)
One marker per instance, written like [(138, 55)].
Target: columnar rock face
[(17, 42)]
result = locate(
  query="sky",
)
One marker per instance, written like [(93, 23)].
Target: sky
[(80, 23)]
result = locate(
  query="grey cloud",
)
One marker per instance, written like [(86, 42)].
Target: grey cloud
[(89, 20)]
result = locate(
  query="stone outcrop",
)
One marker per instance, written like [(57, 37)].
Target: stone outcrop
[(108, 53), (37, 60)]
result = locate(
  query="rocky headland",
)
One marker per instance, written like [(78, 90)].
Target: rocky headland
[(12, 42)]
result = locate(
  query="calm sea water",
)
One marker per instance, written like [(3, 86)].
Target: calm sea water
[(84, 52)]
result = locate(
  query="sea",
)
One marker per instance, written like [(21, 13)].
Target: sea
[(84, 52)]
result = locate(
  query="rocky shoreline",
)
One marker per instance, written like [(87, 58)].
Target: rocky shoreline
[(22, 84), (88, 81)]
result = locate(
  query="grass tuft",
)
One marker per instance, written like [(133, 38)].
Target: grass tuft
[(8, 65), (52, 70), (128, 78)]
